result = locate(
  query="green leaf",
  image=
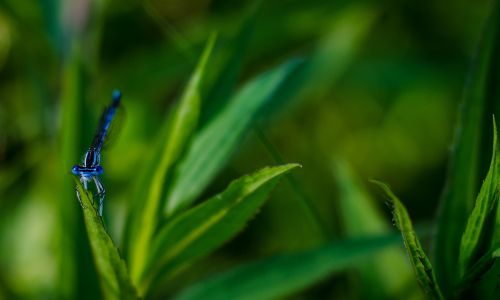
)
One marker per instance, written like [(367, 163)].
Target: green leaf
[(179, 131), (360, 218), (420, 262), (496, 231), (207, 226), (218, 140), (227, 78), (464, 171), (283, 275), (477, 235), (111, 268), (478, 269)]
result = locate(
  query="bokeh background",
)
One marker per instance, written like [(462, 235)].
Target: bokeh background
[(381, 95)]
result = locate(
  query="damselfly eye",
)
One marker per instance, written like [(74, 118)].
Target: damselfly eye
[(99, 170), (75, 170)]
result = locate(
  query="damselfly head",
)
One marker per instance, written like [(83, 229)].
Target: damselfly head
[(75, 170)]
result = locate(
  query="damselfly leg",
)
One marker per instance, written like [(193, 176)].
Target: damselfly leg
[(101, 193)]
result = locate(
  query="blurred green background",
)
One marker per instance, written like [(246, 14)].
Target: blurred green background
[(380, 93)]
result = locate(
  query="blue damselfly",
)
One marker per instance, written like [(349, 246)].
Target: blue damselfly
[(90, 169)]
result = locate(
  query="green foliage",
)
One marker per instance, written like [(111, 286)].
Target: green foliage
[(478, 248), (465, 166), (190, 235), (479, 230), (112, 270), (204, 158), (202, 229), (421, 264), (478, 270), (286, 274), (375, 86), (361, 218), (184, 121), (217, 141)]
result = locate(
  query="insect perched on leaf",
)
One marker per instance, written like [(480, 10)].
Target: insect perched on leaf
[(90, 169)]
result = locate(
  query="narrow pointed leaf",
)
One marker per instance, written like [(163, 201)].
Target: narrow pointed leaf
[(496, 230), (218, 140), (361, 218), (202, 229), (284, 275), (226, 82), (464, 168), (179, 131), (479, 231), (479, 269), (111, 268), (420, 262)]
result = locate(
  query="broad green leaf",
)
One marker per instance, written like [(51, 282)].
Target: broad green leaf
[(112, 270), (207, 226), (218, 140), (179, 132), (360, 218), (477, 236), (280, 276), (420, 262), (464, 172)]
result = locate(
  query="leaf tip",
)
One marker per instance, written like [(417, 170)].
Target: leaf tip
[(383, 186), (288, 167)]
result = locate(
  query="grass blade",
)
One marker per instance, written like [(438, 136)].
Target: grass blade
[(218, 140), (202, 229), (283, 275), (464, 171), (111, 268), (361, 218), (478, 270), (227, 78), (477, 236), (180, 130), (420, 262)]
